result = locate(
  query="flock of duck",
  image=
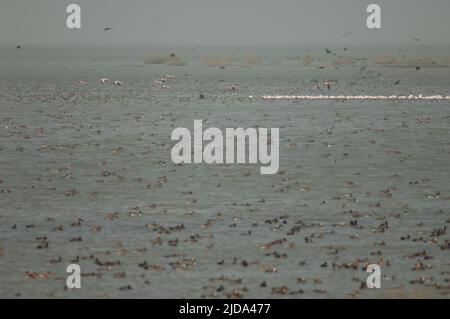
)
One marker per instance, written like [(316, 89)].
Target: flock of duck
[(95, 186)]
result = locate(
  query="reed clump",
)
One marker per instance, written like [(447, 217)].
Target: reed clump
[(307, 60), (218, 61), (251, 60), (167, 59), (425, 61)]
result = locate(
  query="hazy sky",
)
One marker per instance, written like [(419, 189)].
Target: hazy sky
[(227, 22)]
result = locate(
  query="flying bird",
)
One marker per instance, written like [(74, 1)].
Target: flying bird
[(328, 83), (19, 47), (327, 51), (108, 29)]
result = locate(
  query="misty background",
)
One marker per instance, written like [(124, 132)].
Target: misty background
[(218, 22)]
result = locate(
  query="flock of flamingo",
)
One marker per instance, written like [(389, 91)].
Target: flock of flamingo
[(103, 81), (410, 97), (161, 82)]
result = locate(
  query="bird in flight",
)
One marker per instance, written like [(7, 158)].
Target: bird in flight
[(108, 29)]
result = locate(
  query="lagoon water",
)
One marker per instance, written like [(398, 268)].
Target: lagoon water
[(86, 177)]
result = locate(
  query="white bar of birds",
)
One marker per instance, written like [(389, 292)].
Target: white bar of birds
[(359, 97)]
